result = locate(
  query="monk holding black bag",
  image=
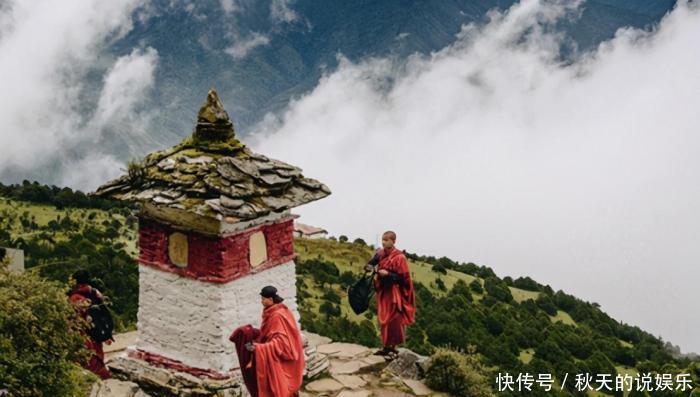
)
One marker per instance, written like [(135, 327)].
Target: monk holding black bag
[(396, 306)]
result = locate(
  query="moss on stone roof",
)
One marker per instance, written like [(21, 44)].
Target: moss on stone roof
[(213, 174)]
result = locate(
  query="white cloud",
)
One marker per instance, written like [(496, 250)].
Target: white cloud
[(229, 6), (242, 47), (46, 54), (125, 86), (92, 170), (583, 176), (281, 12)]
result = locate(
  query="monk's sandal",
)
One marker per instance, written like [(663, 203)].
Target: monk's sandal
[(382, 352)]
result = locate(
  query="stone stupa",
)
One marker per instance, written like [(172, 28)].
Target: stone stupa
[(215, 227)]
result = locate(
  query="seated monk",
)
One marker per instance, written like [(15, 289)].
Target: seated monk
[(396, 306), (271, 358)]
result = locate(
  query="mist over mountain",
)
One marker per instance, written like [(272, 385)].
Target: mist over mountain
[(115, 88), (555, 139), (201, 45)]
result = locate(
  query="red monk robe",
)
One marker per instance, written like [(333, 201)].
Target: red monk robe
[(81, 297), (396, 305), (278, 357), (240, 337)]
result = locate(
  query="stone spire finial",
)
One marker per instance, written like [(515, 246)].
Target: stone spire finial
[(213, 123)]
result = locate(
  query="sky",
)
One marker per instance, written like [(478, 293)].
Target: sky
[(49, 118), (580, 174)]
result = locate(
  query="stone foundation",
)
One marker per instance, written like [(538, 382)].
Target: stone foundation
[(161, 380)]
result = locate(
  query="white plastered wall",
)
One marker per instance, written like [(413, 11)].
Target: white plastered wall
[(190, 321)]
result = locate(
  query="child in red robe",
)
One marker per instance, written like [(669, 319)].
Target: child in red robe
[(396, 305), (274, 354)]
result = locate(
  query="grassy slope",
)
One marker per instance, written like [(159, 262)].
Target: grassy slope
[(352, 257), (43, 214), (346, 256)]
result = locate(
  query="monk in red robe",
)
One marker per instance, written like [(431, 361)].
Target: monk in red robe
[(396, 305), (81, 296), (275, 354)]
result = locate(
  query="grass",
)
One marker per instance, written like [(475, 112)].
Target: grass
[(564, 317), (520, 295), (43, 214), (624, 370), (625, 343), (352, 257), (346, 256), (526, 355)]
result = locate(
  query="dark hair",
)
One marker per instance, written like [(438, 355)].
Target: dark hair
[(277, 299), (391, 234), (81, 276)]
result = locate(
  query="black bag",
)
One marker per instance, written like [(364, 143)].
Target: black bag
[(102, 322), (360, 293)]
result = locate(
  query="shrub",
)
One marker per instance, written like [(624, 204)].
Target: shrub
[(39, 338), (461, 288), (439, 268), (460, 375), (331, 296), (136, 171), (347, 279), (526, 283), (439, 284), (545, 303), (329, 309), (498, 289), (475, 285)]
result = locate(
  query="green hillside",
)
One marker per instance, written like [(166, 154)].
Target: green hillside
[(61, 231), (511, 325), (515, 326)]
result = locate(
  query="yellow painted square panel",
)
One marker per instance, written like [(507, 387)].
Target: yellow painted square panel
[(258, 249), (178, 249)]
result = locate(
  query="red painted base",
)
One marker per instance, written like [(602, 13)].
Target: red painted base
[(164, 362)]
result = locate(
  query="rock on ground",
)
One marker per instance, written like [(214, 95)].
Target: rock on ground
[(354, 372), (116, 388), (408, 364)]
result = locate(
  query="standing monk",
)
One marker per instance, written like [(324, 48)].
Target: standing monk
[(272, 358), (396, 305), (82, 296)]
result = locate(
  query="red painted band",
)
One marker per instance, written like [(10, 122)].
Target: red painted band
[(161, 361), (215, 259), (214, 279)]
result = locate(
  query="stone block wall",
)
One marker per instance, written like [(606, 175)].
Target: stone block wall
[(186, 322)]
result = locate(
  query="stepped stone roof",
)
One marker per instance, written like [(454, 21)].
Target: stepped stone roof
[(215, 175)]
